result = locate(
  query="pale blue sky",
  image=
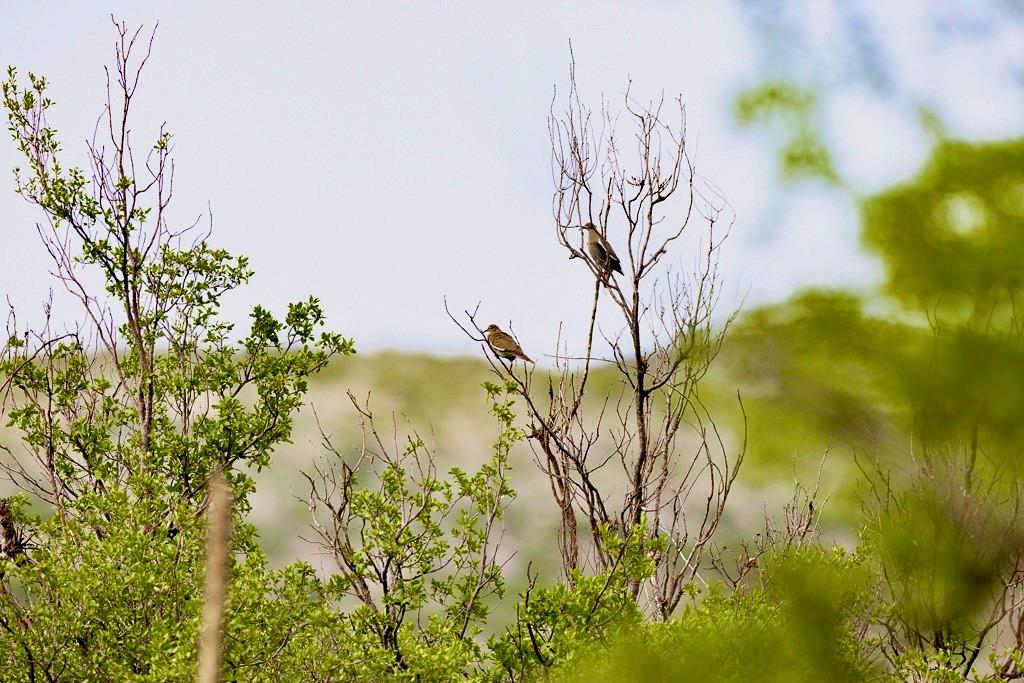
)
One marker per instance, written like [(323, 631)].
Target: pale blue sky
[(381, 156)]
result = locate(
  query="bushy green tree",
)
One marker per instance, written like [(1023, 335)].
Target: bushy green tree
[(125, 417)]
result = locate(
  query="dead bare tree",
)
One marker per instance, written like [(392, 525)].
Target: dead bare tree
[(675, 467)]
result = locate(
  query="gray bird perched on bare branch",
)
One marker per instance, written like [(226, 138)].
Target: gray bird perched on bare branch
[(602, 253), (504, 344)]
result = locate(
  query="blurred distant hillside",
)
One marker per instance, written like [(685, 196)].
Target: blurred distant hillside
[(441, 399)]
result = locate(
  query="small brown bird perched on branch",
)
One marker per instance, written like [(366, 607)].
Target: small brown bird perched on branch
[(504, 345), (602, 253)]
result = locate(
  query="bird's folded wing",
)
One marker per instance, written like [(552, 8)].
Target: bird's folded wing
[(502, 341), (609, 252)]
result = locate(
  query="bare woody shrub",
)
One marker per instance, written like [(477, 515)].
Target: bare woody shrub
[(651, 459)]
